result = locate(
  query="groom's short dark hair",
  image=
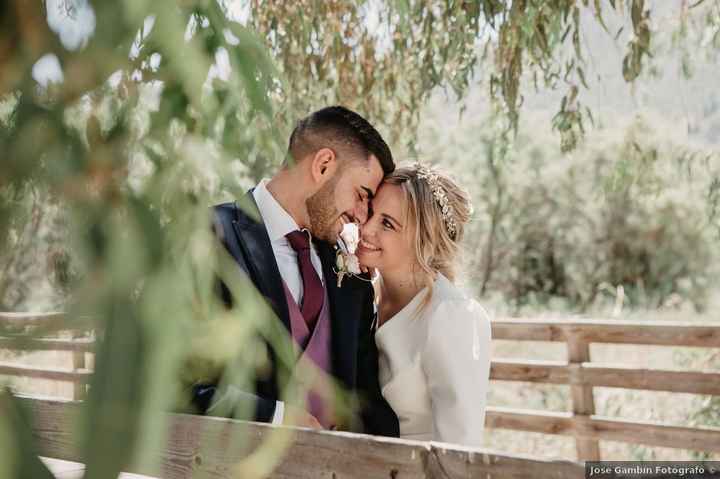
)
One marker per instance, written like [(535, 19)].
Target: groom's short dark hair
[(341, 129)]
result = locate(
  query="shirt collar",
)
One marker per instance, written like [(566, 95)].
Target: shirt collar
[(278, 222)]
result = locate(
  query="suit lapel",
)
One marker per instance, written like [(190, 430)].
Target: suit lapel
[(345, 309), (254, 240), (346, 302)]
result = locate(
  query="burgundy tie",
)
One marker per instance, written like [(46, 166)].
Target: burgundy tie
[(313, 291)]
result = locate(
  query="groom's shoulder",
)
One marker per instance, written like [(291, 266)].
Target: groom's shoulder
[(223, 214), (243, 210), (224, 210)]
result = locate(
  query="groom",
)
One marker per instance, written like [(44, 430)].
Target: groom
[(281, 235)]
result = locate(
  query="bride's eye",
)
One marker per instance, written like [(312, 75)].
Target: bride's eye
[(388, 225)]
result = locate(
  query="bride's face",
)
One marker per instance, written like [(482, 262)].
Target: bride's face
[(386, 238)]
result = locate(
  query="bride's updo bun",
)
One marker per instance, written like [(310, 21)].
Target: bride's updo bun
[(440, 209)]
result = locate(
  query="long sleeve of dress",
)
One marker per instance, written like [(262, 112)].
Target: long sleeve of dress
[(456, 362)]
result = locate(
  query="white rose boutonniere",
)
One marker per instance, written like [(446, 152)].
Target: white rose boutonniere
[(345, 260)]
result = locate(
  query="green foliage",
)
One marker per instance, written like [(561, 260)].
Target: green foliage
[(18, 454), (134, 153), (167, 107), (623, 216)]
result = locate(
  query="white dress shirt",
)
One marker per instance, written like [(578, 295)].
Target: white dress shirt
[(435, 366), (278, 223)]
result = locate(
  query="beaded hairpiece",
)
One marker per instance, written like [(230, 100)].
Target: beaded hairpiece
[(433, 181)]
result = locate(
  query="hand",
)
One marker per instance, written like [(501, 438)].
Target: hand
[(297, 417)]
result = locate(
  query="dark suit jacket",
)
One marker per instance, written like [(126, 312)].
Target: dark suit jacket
[(354, 355)]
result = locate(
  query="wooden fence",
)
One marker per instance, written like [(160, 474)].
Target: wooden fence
[(579, 373), (582, 376), (13, 336), (201, 446)]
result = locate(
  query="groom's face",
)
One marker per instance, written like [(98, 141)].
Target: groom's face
[(344, 198)]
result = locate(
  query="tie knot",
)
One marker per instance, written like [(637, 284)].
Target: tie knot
[(299, 240)]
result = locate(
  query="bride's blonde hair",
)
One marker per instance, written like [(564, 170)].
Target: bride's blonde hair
[(439, 208)]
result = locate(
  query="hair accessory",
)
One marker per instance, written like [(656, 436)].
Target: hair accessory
[(433, 181)]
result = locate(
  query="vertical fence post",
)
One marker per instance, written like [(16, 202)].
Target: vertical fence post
[(582, 397), (78, 360)]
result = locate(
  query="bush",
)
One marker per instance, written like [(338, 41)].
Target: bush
[(626, 215)]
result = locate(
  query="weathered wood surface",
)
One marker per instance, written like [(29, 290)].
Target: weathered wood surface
[(10, 322), (598, 374), (661, 333), (605, 428), (535, 371), (39, 325), (212, 447), (79, 365), (78, 376), (81, 344), (582, 399)]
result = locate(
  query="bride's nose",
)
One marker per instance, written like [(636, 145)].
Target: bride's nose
[(368, 228)]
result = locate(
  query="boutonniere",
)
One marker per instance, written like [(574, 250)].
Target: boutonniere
[(345, 260)]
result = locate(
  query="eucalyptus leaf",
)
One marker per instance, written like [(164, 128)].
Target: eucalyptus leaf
[(115, 401), (18, 448)]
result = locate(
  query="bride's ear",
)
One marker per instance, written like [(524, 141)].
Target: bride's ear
[(323, 166)]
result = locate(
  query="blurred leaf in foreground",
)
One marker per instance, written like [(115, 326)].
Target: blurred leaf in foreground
[(18, 450)]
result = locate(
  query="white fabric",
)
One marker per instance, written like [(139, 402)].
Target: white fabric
[(435, 366), (279, 413), (278, 223)]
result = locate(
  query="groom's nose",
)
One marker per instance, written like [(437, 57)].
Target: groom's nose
[(361, 212)]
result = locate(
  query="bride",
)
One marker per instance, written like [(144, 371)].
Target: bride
[(433, 340)]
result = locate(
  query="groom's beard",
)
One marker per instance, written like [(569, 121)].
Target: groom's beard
[(322, 212)]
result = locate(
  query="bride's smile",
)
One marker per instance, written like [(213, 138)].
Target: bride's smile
[(385, 239), (369, 247)]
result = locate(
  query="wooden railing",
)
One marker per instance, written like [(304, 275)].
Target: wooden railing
[(14, 328), (579, 373), (200, 446), (582, 376)]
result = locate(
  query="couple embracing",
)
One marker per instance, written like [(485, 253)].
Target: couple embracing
[(401, 338)]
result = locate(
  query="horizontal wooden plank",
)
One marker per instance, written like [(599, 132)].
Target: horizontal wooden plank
[(209, 447), (47, 344), (604, 428), (529, 370), (663, 333), (694, 382), (648, 433), (24, 319), (8, 369), (42, 324), (667, 333), (546, 422), (594, 374)]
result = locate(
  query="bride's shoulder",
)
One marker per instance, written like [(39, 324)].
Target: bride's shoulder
[(451, 301), (446, 290)]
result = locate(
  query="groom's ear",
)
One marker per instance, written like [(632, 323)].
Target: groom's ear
[(324, 165)]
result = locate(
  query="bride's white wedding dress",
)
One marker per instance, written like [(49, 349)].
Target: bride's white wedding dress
[(434, 367)]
